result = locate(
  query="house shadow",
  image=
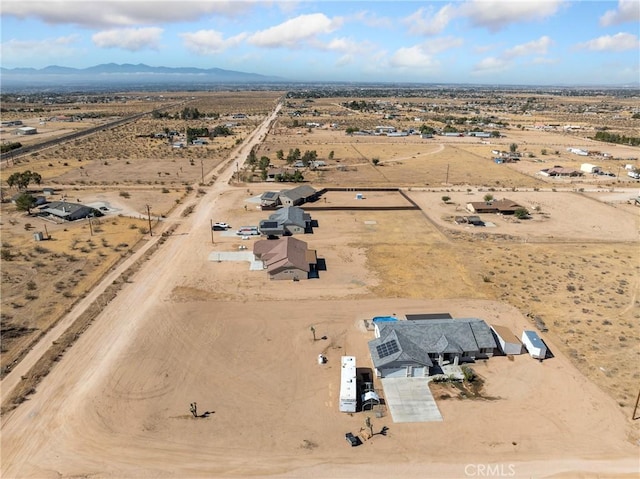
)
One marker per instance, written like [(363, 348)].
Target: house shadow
[(549, 354), (321, 264)]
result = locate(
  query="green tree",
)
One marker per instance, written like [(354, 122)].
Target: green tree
[(495, 134), (293, 156), (351, 130), (308, 157), (513, 147), (264, 162), (375, 161), (331, 155), (280, 155), (252, 159), (22, 179), (488, 198), (427, 130), (446, 199), (521, 213), (25, 202)]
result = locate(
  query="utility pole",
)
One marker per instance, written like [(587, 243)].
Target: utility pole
[(149, 216), (211, 224), (446, 181), (90, 227), (202, 170)]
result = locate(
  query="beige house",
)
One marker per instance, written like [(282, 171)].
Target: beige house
[(285, 258)]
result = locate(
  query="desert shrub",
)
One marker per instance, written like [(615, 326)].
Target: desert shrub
[(125, 194), (6, 254), (31, 285)]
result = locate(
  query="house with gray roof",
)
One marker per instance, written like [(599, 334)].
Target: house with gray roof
[(416, 348), (64, 210), (293, 197), (298, 195), (289, 220)]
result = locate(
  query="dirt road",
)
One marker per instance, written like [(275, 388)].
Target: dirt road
[(195, 222)]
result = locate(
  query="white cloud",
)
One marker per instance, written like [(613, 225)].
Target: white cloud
[(107, 13), (372, 20), (425, 22), (295, 31), (413, 57), (132, 39), (345, 60), (20, 52), (208, 42), (441, 44), (535, 47), (611, 43), (544, 61), (498, 14), (627, 11), (490, 65)]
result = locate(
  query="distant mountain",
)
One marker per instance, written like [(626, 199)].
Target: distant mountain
[(113, 74)]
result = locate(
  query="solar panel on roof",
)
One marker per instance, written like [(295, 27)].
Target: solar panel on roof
[(388, 348)]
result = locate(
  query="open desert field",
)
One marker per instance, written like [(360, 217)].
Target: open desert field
[(187, 326)]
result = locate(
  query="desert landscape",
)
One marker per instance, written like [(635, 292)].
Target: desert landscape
[(112, 326)]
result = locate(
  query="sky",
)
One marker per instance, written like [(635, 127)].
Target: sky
[(518, 42)]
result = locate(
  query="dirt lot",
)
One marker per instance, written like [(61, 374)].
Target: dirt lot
[(223, 336)]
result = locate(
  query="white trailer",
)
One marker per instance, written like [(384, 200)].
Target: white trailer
[(507, 340), (348, 386), (536, 348), (589, 168)]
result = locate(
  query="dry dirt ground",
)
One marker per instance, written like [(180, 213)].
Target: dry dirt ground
[(117, 169), (190, 329)]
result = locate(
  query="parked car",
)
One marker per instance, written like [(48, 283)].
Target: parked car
[(353, 440), (220, 227), (248, 230)]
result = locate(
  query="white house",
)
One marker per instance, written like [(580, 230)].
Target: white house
[(508, 341), (348, 387), (536, 348)]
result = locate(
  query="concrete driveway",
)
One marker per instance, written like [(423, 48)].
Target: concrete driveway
[(410, 400)]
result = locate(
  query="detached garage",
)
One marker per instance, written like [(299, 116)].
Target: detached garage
[(509, 343), (536, 347)]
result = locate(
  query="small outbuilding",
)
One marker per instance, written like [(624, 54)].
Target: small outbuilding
[(508, 341), (535, 346), (27, 130)]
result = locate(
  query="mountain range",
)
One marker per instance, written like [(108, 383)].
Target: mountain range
[(113, 73)]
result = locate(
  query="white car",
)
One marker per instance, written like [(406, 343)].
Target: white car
[(220, 226)]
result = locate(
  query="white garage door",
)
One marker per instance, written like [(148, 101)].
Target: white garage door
[(394, 373)]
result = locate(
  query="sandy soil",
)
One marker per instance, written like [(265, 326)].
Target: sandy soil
[(188, 329)]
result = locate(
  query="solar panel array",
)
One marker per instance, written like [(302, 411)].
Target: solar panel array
[(388, 348)]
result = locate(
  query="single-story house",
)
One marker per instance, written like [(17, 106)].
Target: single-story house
[(560, 171), (502, 207), (288, 220), (509, 343), (410, 348), (269, 199), (285, 258), (272, 173), (298, 195), (68, 211)]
